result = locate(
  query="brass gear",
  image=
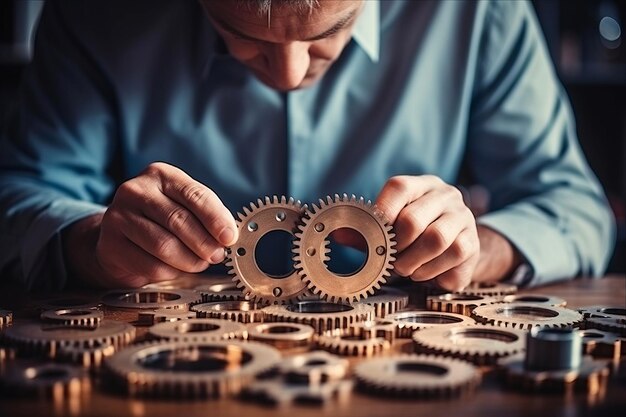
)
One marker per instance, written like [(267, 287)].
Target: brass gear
[(283, 336), (320, 315), (482, 345), (541, 299), (458, 303), (409, 321), (313, 368), (608, 324), (416, 376), (383, 328), (241, 311), (188, 370), (150, 299), (311, 248), (162, 315), (614, 312), (198, 330), (279, 392), (526, 315), (600, 344), (255, 222), (53, 381), (490, 289), (73, 317), (89, 357), (220, 291), (348, 343), (387, 300), (6, 318)]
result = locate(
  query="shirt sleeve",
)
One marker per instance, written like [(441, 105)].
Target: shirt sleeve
[(523, 147), (54, 153)]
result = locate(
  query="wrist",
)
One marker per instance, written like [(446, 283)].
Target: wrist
[(79, 241), (498, 257)]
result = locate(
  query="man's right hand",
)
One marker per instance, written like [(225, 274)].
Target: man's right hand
[(160, 224)]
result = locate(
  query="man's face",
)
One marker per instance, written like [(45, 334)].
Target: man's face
[(286, 50)]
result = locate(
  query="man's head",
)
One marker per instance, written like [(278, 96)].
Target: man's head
[(288, 44)]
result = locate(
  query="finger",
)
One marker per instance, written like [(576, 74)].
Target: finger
[(200, 200), (457, 278), (437, 237), (400, 191)]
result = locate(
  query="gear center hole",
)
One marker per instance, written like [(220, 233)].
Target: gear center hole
[(280, 329), (346, 252), (421, 368), (202, 359), (267, 254), (196, 327)]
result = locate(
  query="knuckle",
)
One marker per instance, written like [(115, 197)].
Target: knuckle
[(463, 247), (419, 275), (402, 269), (399, 184), (164, 248), (208, 246), (194, 193), (436, 238), (177, 219), (155, 169), (129, 189)]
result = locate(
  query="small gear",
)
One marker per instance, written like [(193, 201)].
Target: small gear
[(617, 313), (89, 357), (6, 355), (150, 299), (608, 324), (320, 315), (547, 300), (6, 318), (387, 300), (191, 370), (73, 317), (482, 345), (313, 368), (489, 289), (600, 344), (347, 343), (416, 376), (311, 248), (198, 330), (257, 221), (42, 339), (378, 327), (241, 311), (278, 392), (283, 336), (411, 320), (57, 382), (458, 303), (162, 315), (220, 291), (526, 315)]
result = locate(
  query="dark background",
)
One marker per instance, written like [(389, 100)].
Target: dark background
[(582, 36)]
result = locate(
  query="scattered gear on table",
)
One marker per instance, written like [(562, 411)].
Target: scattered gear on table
[(554, 363), (320, 315), (601, 344), (198, 330), (7, 354), (162, 315), (482, 345), (313, 368), (458, 303), (617, 313), (608, 324), (150, 299), (311, 248), (526, 315), (411, 320), (6, 318), (417, 376), (60, 302), (383, 328), (489, 289), (220, 291), (346, 342), (241, 311), (89, 357), (541, 299), (191, 370), (42, 339), (50, 381), (73, 317), (279, 392), (283, 336), (257, 221), (387, 300)]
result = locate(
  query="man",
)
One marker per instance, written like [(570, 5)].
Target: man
[(244, 98)]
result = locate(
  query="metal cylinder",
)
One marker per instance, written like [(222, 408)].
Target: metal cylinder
[(549, 349)]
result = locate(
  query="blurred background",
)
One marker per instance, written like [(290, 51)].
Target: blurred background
[(586, 40)]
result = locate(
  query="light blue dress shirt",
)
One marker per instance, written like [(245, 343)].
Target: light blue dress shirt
[(424, 87)]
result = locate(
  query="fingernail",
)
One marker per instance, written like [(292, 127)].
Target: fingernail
[(218, 256), (227, 236)]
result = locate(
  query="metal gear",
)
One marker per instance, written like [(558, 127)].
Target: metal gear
[(73, 317), (600, 344), (489, 289), (150, 299), (526, 315), (617, 313), (191, 370), (416, 376), (6, 355), (278, 392), (378, 327), (162, 315), (608, 324), (283, 336), (42, 339), (320, 315), (311, 248), (347, 343), (56, 303), (313, 368), (387, 300), (53, 381), (256, 222), (482, 345), (6, 318), (547, 300), (89, 357), (458, 303), (220, 291), (241, 311), (198, 330), (411, 320)]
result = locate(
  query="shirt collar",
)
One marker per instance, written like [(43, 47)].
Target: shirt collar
[(366, 30)]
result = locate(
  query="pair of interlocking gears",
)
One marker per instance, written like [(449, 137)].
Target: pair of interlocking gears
[(311, 229)]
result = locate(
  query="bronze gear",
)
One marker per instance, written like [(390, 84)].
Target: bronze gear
[(458, 303), (279, 392), (490, 289), (526, 315), (346, 343), (89, 357), (52, 381), (241, 311), (73, 317), (541, 299), (162, 315), (313, 368), (387, 300), (283, 336), (6, 318), (600, 344), (150, 299), (220, 291), (198, 330), (409, 321), (383, 328)]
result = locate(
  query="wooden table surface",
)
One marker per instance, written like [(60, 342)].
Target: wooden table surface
[(491, 399)]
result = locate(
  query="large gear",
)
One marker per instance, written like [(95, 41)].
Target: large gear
[(311, 248), (73, 317), (6, 318), (150, 299), (220, 291), (617, 313), (313, 368), (57, 382), (279, 392), (256, 222), (196, 370), (610, 319), (198, 330), (600, 344), (283, 336), (411, 320), (89, 357), (241, 311), (148, 318), (547, 300), (458, 303), (42, 339), (482, 345), (320, 315), (526, 315), (417, 376), (490, 289), (347, 342), (387, 300)]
